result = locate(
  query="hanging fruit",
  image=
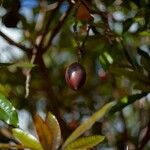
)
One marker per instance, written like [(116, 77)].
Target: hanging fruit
[(75, 76)]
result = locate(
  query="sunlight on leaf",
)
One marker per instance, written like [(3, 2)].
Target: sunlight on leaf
[(85, 142), (124, 100), (145, 33), (27, 139), (108, 57), (44, 133), (7, 112), (88, 123), (54, 127)]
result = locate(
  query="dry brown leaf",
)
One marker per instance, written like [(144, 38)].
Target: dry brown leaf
[(43, 132)]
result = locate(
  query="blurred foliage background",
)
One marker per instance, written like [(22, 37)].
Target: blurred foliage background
[(110, 38)]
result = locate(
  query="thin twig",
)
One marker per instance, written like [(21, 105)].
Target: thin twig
[(46, 29), (28, 74), (108, 33), (146, 138), (76, 34), (86, 37), (38, 27), (58, 27), (11, 146), (128, 56), (38, 41), (125, 131), (12, 42)]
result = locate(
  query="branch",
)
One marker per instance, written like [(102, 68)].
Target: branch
[(146, 138), (50, 18), (108, 33), (128, 55), (10, 41), (58, 27), (52, 102)]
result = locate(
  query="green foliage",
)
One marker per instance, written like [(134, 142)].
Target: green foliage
[(27, 139), (88, 123), (109, 38), (20, 65), (125, 101), (85, 143), (49, 135), (24, 65), (7, 112)]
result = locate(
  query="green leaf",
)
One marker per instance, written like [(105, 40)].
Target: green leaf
[(54, 127), (145, 33), (85, 142), (5, 64), (27, 139), (7, 112), (125, 101), (20, 65), (24, 65), (88, 123)]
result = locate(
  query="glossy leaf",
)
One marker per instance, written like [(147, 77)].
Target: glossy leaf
[(44, 133), (125, 101), (27, 139), (88, 123), (7, 112), (54, 127), (85, 142)]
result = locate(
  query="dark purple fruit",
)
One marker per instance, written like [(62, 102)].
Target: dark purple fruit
[(10, 19), (75, 76)]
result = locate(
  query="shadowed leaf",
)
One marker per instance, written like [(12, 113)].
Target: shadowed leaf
[(44, 133), (24, 65), (88, 123), (125, 101), (5, 64)]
